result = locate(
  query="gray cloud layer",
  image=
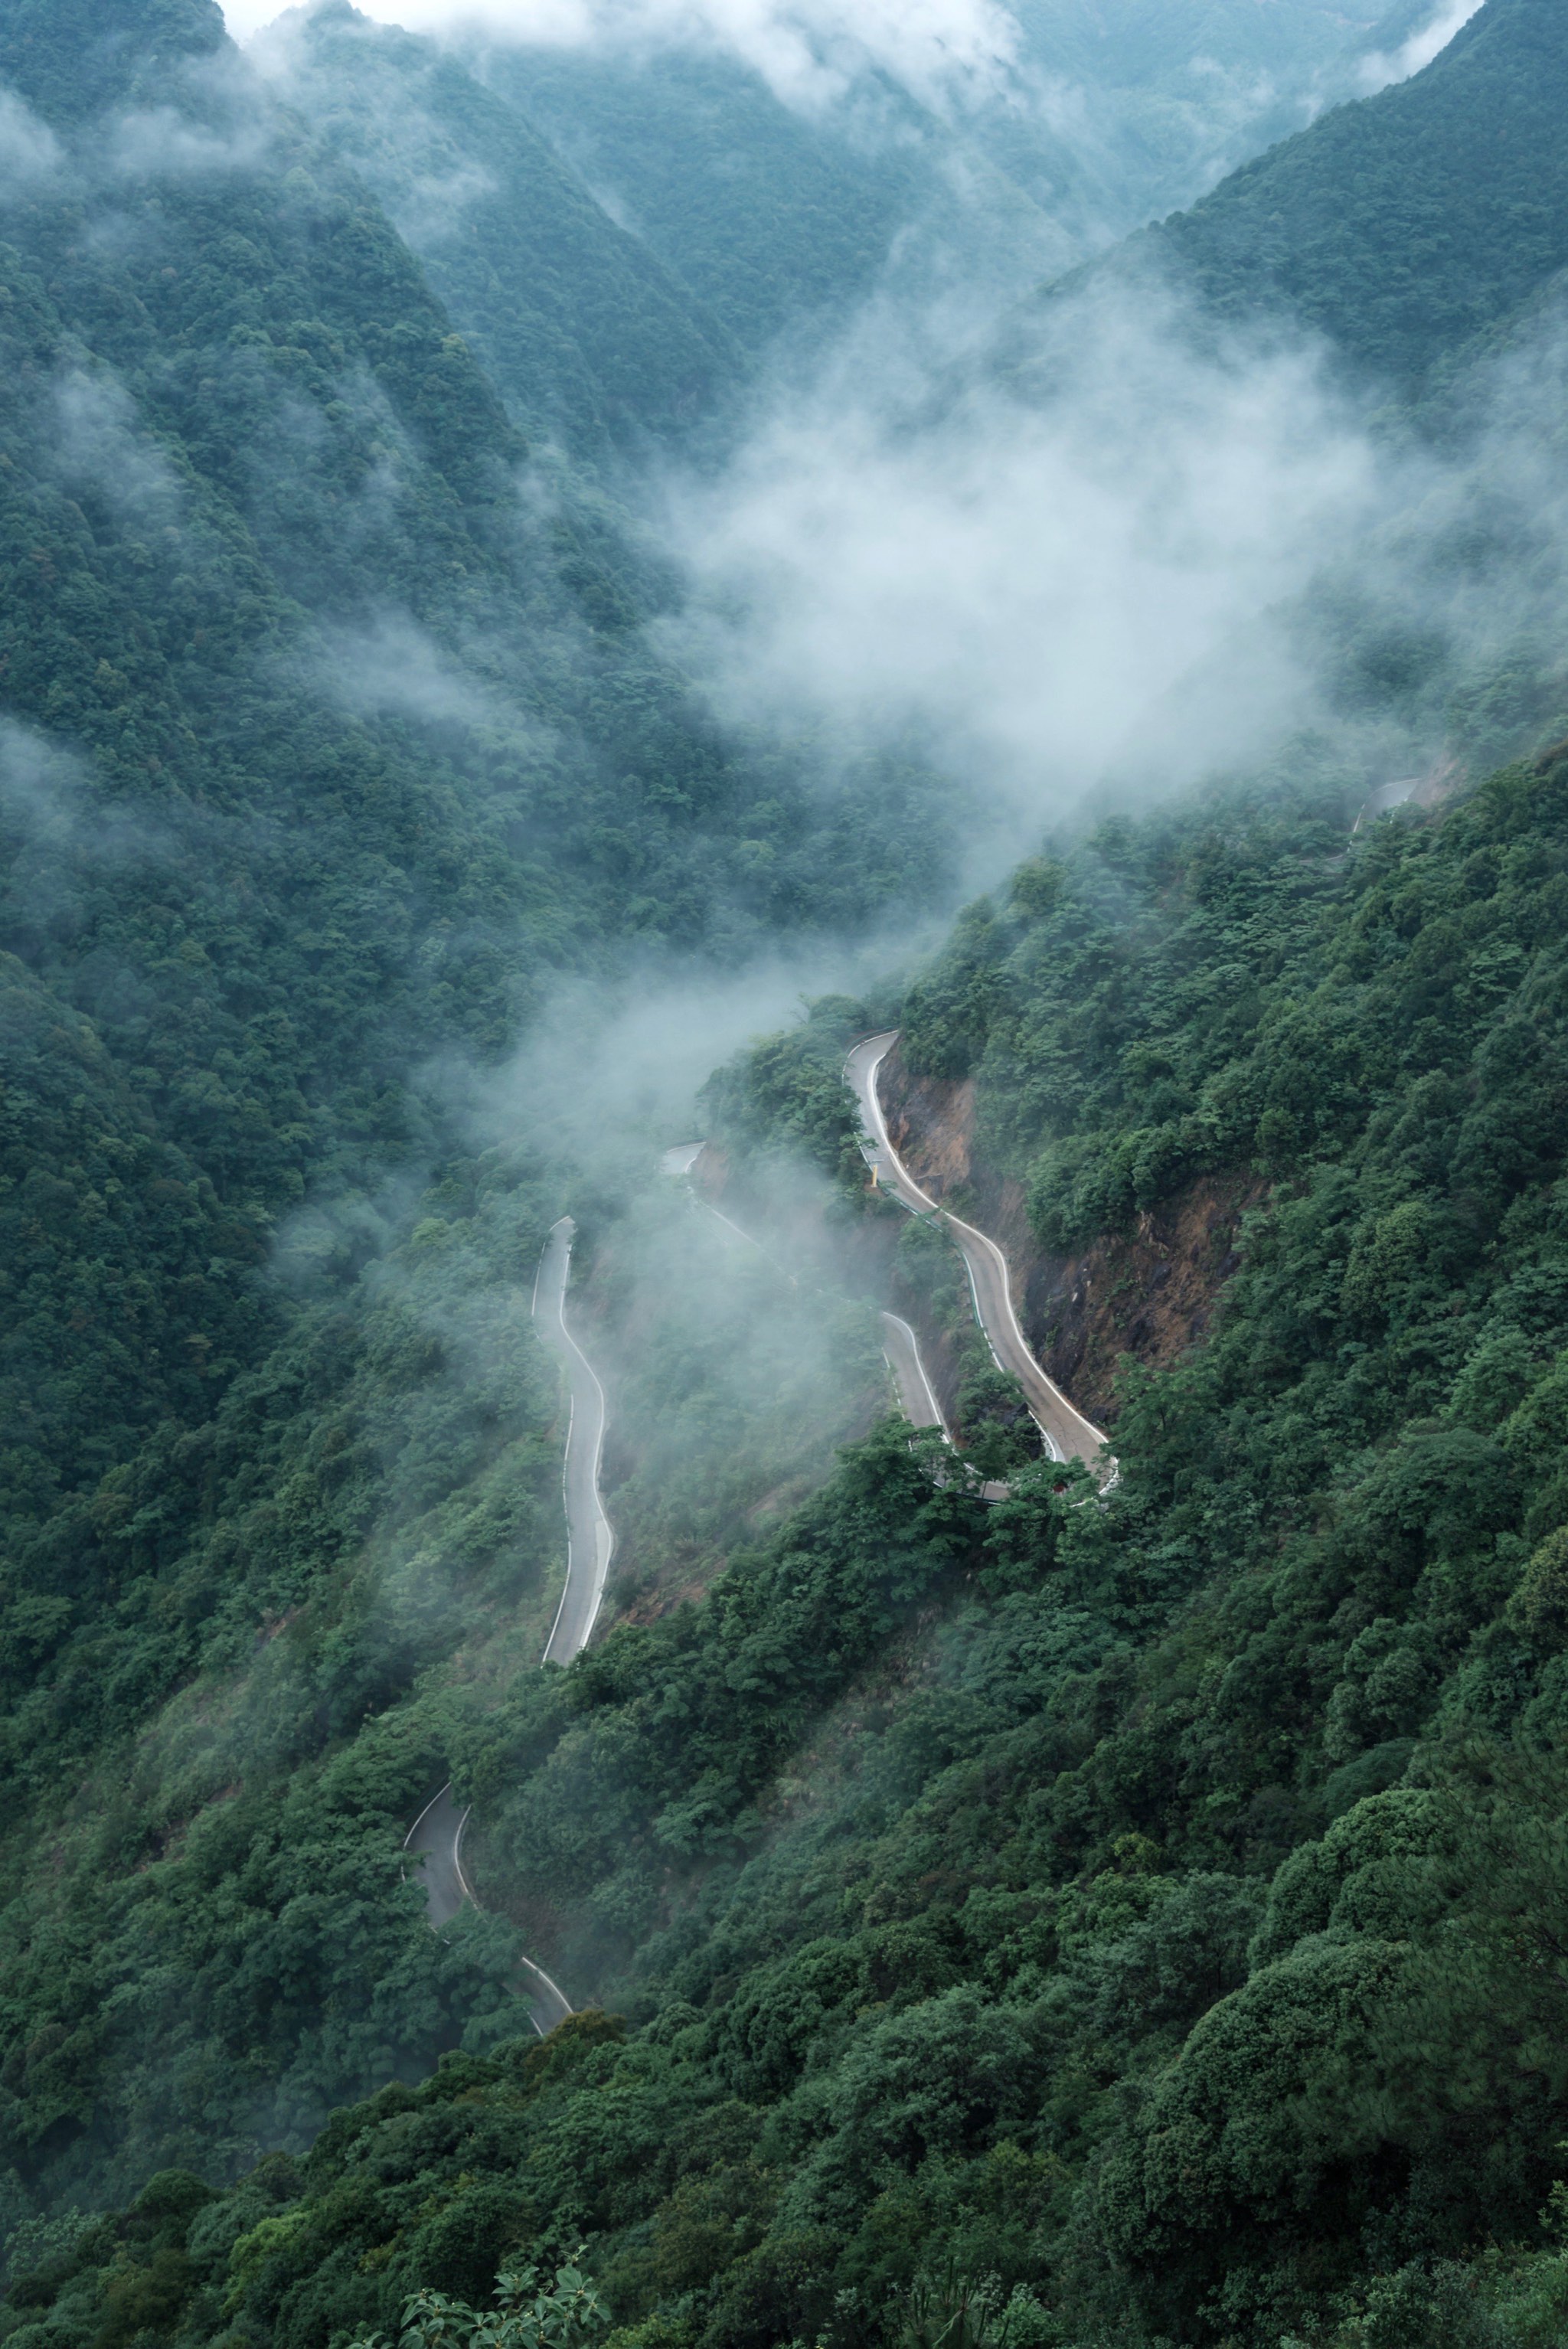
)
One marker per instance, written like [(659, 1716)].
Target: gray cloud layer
[(1022, 582), (811, 51)]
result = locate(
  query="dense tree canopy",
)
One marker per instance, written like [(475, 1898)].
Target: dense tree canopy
[(1151, 1903), (1134, 1917), (1401, 229)]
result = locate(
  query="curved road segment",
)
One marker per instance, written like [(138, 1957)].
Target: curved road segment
[(588, 1538), (915, 1391), (1068, 1433), (900, 1347), (435, 1836)]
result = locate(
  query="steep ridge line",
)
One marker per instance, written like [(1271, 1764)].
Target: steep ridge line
[(436, 1837), (1067, 1433)]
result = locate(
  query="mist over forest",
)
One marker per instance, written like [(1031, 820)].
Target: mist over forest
[(783, 893)]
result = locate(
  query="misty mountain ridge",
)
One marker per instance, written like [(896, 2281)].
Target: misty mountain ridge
[(1406, 228), (522, 564), (777, 215), (586, 334)]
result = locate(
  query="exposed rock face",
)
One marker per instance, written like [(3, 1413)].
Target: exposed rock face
[(1149, 1293)]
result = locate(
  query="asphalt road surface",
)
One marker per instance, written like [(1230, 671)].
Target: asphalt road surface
[(1068, 1434), (589, 1537), (917, 1396), (682, 1158), (915, 1391), (436, 1837)]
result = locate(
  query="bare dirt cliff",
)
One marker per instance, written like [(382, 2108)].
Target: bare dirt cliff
[(1149, 1293)]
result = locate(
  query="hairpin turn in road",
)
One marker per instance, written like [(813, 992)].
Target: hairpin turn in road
[(1068, 1434)]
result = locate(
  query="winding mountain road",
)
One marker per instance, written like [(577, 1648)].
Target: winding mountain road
[(1068, 1434), (436, 1835), (900, 1347), (590, 1540), (436, 1838), (915, 1391)]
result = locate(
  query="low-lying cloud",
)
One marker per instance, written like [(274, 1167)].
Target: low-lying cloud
[(30, 151), (162, 143), (1144, 555), (1383, 68), (101, 446), (809, 51), (1020, 580), (610, 1070), (393, 668)]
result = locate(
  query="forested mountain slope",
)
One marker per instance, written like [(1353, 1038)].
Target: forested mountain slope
[(321, 752), (581, 328), (777, 214), (1176, 93), (1157, 1906), (1146, 1910), (774, 205), (331, 742), (1403, 227)]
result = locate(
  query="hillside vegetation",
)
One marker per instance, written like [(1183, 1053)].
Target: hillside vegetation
[(1098, 1921), (331, 745), (1157, 1906), (780, 214), (587, 336), (1403, 228)]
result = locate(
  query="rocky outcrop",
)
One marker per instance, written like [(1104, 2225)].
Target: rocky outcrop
[(1149, 1293)]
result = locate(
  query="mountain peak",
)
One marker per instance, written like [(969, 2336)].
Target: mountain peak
[(71, 58)]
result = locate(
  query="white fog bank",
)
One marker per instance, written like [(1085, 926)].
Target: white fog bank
[(809, 51), (1379, 70), (1020, 582)]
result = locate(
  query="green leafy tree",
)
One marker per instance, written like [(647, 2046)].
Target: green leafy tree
[(565, 2314)]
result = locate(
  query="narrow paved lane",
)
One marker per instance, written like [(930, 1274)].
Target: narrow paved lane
[(915, 1391), (588, 1538), (436, 1837), (1068, 1434)]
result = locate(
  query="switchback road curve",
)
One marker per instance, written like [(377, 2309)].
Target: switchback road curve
[(900, 1347), (436, 1837), (1068, 1434)]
